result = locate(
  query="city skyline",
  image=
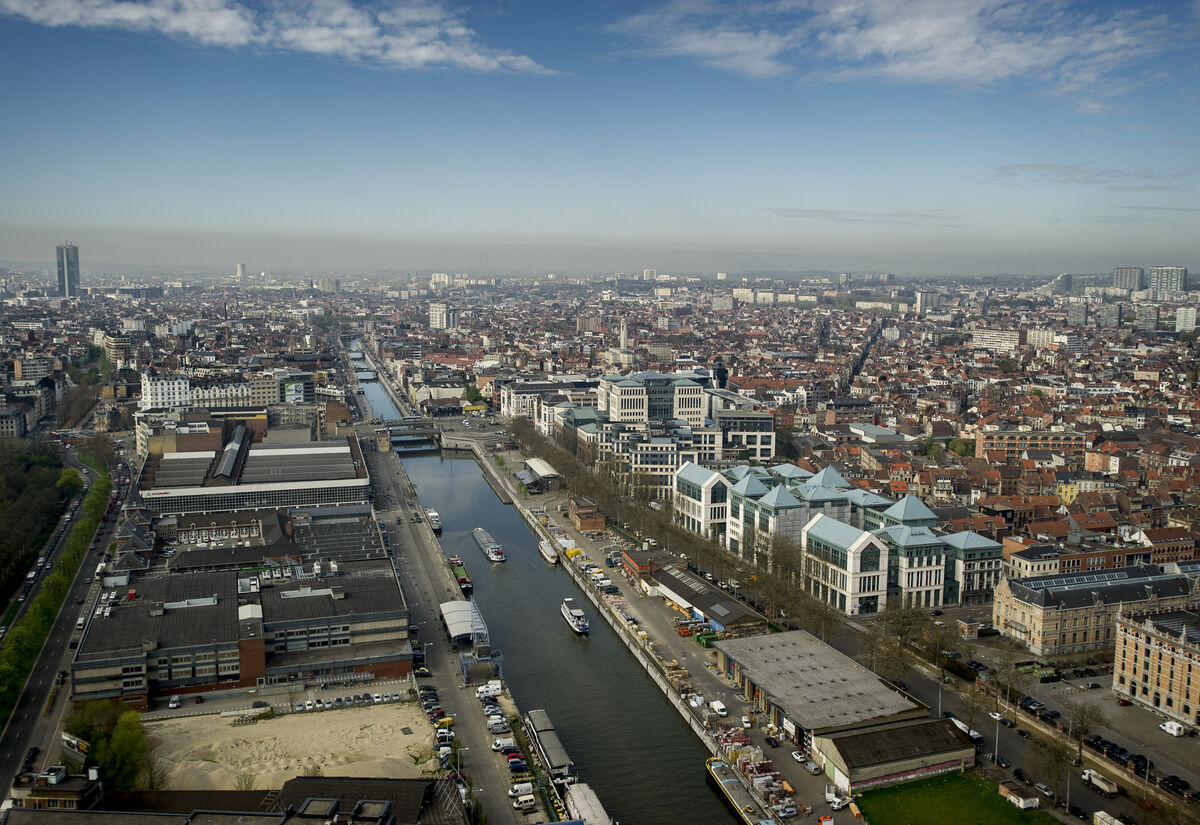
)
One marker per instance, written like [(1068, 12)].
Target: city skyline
[(912, 137)]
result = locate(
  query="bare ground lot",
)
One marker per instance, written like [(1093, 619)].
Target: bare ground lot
[(211, 753)]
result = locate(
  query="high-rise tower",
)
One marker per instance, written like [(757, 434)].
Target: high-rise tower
[(68, 270)]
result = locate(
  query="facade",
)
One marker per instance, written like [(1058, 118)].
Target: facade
[(997, 340), (1168, 278), (441, 316), (164, 391), (844, 567), (68, 270), (1014, 442), (1062, 614), (1157, 663), (1129, 277), (973, 570), (200, 631), (701, 500), (638, 397), (1185, 319)]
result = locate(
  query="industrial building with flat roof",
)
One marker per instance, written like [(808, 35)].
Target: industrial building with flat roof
[(212, 630), (859, 728), (245, 475)]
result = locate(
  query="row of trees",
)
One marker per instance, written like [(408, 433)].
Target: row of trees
[(34, 488), (25, 639)]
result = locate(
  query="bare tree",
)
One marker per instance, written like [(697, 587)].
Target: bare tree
[(1052, 759), (1084, 716)]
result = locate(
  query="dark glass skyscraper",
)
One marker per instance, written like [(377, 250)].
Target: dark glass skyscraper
[(68, 270)]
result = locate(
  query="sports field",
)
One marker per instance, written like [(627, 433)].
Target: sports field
[(953, 799)]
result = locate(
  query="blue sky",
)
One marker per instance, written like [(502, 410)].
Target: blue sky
[(911, 136)]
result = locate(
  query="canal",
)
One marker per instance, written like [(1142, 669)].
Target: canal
[(628, 743)]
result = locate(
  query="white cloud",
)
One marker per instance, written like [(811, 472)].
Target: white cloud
[(415, 35), (964, 43)]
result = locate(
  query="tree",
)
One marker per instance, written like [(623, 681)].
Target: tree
[(1052, 759), (69, 482), (1084, 716), (123, 756), (961, 446)]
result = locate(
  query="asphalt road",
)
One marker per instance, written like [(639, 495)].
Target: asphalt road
[(426, 582), (33, 722)]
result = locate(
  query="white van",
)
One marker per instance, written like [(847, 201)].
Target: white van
[(520, 789), (174, 703), (525, 802), (502, 743), (718, 707), (1172, 727)]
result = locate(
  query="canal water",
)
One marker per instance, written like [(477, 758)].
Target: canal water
[(628, 743)]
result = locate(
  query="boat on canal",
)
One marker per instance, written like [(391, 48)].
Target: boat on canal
[(574, 616), (546, 548), (488, 544), (460, 574), (434, 519), (721, 774)]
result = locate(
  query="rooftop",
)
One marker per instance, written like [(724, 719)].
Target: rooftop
[(815, 685)]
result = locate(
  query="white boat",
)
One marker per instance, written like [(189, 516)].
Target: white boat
[(488, 544), (434, 519), (574, 616), (548, 552)]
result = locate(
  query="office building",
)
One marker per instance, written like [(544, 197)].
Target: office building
[(1168, 278), (1132, 278), (68, 270)]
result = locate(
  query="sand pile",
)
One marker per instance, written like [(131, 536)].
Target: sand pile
[(211, 753)]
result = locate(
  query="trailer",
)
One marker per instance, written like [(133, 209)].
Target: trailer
[(1100, 783)]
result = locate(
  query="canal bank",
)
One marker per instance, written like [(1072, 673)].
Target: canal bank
[(636, 755), (659, 666)]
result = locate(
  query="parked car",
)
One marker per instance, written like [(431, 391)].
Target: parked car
[(1044, 790), (1020, 776), (798, 756), (1024, 734), (772, 742), (1123, 702)]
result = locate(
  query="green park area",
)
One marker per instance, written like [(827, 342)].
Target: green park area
[(952, 799)]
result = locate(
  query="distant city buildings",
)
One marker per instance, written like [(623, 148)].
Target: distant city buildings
[(1168, 278), (68, 270), (1132, 278)]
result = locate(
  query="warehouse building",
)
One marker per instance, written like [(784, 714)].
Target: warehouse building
[(213, 630), (860, 729), (243, 475)]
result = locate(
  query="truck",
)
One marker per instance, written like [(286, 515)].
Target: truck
[(1104, 818), (1100, 783), (836, 799)]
